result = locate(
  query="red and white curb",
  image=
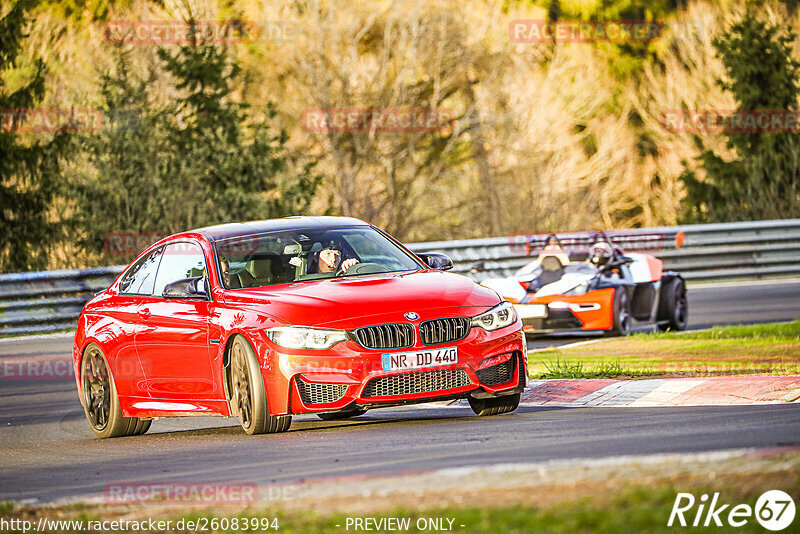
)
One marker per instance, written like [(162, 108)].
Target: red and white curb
[(663, 392)]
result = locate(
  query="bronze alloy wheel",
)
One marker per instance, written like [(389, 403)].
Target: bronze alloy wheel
[(96, 389), (243, 393), (100, 400), (248, 396)]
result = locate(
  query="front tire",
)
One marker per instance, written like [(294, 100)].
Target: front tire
[(100, 400), (494, 405), (248, 393)]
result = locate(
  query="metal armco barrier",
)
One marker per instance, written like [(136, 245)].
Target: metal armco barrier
[(49, 300), (722, 251), (52, 300)]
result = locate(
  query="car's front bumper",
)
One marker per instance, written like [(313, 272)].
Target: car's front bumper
[(589, 311), (489, 364)]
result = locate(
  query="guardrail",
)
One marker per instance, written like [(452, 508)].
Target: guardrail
[(721, 251), (49, 300), (52, 300)]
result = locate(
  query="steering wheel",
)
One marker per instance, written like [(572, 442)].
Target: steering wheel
[(362, 268)]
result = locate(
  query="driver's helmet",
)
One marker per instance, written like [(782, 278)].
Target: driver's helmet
[(600, 253)]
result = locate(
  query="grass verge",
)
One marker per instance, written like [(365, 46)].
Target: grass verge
[(769, 349)]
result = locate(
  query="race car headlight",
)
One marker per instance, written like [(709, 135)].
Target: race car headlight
[(296, 337), (498, 317)]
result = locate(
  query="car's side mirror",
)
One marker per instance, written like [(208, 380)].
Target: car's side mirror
[(441, 262), (188, 288)]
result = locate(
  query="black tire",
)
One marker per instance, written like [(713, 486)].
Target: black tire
[(673, 305), (142, 427), (100, 400), (335, 416), (248, 395), (494, 405), (621, 314)]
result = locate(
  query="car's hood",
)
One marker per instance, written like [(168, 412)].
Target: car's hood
[(342, 302)]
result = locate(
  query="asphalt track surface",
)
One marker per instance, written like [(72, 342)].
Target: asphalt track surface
[(48, 453)]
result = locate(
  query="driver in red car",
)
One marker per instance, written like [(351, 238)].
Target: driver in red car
[(330, 261)]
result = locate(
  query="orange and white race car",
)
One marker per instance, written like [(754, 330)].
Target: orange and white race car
[(586, 282)]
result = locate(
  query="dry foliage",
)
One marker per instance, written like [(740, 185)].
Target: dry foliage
[(546, 136)]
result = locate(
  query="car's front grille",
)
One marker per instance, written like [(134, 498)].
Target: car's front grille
[(498, 374), (447, 330), (386, 336), (417, 382), (313, 393)]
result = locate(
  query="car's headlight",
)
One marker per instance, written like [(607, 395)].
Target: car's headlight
[(498, 317), (296, 337)]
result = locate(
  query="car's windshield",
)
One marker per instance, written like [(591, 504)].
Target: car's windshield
[(308, 254)]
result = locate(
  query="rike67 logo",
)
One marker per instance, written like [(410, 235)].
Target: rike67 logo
[(774, 510)]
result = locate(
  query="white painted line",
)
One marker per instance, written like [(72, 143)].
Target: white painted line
[(529, 404), (714, 285), (568, 345), (70, 334)]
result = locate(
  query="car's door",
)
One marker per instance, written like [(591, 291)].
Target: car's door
[(173, 344), (123, 308)]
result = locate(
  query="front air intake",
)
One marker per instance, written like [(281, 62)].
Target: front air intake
[(498, 374), (314, 393), (418, 382)]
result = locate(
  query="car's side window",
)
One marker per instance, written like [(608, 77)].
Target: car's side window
[(141, 278), (181, 260)]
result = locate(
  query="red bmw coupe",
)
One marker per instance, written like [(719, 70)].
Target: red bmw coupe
[(262, 320)]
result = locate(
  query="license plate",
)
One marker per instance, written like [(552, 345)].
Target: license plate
[(394, 361), (531, 311)]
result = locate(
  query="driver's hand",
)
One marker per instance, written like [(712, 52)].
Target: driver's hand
[(346, 264)]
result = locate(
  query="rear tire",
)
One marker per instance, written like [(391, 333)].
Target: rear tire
[(494, 405), (142, 427), (248, 393), (100, 400), (673, 305), (622, 314), (335, 416)]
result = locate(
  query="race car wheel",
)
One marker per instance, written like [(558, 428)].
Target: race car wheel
[(494, 405), (335, 416), (100, 400), (622, 314), (248, 394), (673, 305)]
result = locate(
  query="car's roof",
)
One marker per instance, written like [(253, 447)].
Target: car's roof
[(223, 231)]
